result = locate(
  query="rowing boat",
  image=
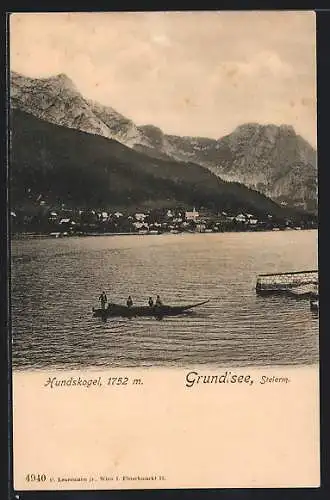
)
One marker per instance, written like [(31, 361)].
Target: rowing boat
[(115, 310), (314, 304)]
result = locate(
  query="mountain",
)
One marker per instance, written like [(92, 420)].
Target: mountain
[(57, 100), (271, 159), (84, 170)]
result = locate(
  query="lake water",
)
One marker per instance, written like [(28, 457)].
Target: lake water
[(55, 284)]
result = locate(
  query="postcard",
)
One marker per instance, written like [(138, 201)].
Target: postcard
[(164, 232)]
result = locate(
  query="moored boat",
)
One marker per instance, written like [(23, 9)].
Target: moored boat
[(117, 310), (298, 283), (314, 304)]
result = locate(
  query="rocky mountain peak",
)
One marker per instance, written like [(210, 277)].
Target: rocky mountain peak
[(287, 130), (270, 158), (154, 134), (268, 129), (52, 82), (61, 80)]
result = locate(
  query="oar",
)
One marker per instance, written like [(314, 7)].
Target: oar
[(199, 304)]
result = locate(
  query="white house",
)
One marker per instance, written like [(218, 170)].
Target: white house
[(140, 225), (240, 218), (194, 215), (140, 217)]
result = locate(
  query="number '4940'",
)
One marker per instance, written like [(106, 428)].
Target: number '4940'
[(36, 477)]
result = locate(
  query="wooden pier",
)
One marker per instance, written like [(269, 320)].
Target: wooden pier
[(300, 284)]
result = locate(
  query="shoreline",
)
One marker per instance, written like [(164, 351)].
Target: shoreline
[(24, 236)]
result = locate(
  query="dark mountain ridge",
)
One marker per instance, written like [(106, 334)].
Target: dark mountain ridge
[(271, 159), (83, 170)]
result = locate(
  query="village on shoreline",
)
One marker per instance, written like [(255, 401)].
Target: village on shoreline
[(76, 222)]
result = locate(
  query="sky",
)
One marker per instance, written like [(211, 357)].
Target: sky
[(189, 73)]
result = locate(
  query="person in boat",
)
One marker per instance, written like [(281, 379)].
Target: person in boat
[(150, 302), (158, 303), (103, 299), (129, 301)]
